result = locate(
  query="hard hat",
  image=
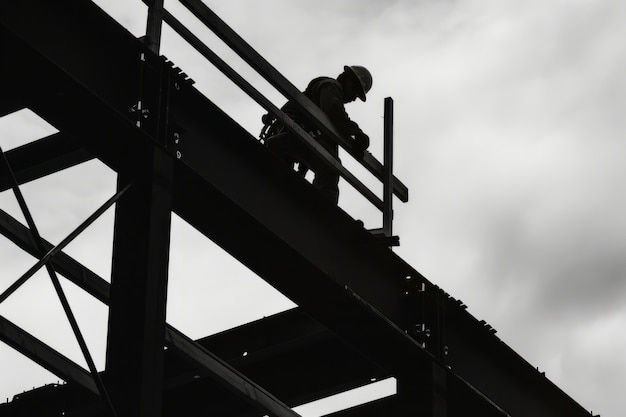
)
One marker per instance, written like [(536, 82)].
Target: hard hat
[(364, 77)]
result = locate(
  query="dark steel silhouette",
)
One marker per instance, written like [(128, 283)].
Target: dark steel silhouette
[(363, 316)]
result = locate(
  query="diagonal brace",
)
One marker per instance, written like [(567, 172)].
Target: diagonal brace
[(55, 282)]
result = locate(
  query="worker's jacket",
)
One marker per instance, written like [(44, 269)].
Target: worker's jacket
[(327, 94)]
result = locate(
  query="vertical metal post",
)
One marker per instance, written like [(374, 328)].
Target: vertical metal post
[(137, 306), (388, 169), (141, 240), (424, 392), (154, 25)]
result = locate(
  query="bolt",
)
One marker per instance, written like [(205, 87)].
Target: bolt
[(177, 86), (179, 155), (176, 138)]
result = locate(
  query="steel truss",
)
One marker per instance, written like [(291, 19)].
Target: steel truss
[(364, 316)]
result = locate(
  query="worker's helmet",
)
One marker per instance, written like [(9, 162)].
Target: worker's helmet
[(364, 77)]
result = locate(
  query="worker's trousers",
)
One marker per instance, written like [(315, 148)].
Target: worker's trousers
[(290, 150)]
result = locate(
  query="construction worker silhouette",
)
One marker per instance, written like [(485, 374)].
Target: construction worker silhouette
[(329, 95)]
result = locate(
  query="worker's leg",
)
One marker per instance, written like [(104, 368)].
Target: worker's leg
[(327, 182), (284, 146)]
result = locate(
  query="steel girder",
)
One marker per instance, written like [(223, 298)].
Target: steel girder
[(80, 71), (294, 356), (45, 356), (43, 157)]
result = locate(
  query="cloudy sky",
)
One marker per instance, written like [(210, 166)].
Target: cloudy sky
[(508, 129)]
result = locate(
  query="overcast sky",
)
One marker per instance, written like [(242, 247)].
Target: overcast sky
[(509, 134)]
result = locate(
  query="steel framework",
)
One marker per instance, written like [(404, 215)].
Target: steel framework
[(364, 316)]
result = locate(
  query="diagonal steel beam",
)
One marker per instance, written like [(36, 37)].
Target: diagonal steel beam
[(58, 248), (44, 355), (56, 283), (68, 267), (226, 375)]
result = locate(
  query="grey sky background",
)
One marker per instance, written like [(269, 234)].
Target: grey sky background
[(509, 134)]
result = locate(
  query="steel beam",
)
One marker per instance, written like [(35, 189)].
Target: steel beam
[(64, 264), (263, 360), (44, 157), (266, 343), (45, 356), (226, 375), (138, 288)]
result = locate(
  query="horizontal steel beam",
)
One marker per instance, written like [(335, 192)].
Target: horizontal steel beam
[(43, 157), (44, 355)]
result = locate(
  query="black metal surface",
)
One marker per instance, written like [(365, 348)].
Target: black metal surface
[(65, 265), (294, 357), (82, 73), (45, 258), (44, 355), (290, 354), (288, 347), (139, 287), (43, 157), (388, 169), (226, 375)]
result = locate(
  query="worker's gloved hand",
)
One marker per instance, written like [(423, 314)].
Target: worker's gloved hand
[(361, 143)]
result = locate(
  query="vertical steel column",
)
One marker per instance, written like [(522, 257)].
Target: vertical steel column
[(139, 287), (388, 169), (154, 25), (137, 307), (423, 393)]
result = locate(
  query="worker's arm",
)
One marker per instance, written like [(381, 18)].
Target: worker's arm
[(331, 102)]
